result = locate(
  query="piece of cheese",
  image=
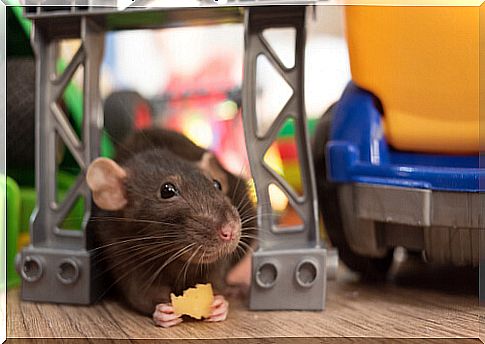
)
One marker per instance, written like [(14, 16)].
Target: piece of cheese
[(195, 302)]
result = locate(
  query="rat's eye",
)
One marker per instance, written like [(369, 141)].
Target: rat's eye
[(168, 190), (217, 184)]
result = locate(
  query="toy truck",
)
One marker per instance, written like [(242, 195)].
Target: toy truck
[(397, 157)]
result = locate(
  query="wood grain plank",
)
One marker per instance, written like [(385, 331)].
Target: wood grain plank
[(299, 340), (354, 310)]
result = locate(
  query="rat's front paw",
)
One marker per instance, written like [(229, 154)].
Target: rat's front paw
[(164, 316), (220, 308)]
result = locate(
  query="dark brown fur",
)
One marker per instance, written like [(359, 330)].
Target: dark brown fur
[(137, 241)]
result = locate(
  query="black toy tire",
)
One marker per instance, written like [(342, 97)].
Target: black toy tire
[(369, 268), (20, 112), (119, 114)]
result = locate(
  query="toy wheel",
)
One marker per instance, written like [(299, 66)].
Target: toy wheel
[(367, 267), (124, 112), (20, 112)]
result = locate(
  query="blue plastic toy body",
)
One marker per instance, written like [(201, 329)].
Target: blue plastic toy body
[(358, 152)]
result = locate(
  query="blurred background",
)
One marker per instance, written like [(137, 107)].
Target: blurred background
[(189, 79), (192, 76)]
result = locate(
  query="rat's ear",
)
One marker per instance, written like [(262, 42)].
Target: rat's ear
[(209, 164), (105, 179)]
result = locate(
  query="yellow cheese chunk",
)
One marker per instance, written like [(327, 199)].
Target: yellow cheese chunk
[(195, 302)]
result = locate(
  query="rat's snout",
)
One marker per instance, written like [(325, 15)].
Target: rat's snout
[(229, 232)]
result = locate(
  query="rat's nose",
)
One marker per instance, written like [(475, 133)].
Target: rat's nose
[(227, 232)]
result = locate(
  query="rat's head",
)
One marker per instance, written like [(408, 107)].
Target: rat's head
[(183, 205)]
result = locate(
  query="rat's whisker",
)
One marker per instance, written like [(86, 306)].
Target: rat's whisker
[(250, 236), (170, 260), (151, 280), (126, 241), (189, 261), (253, 213), (240, 252), (238, 181), (247, 246), (137, 255), (249, 228), (126, 219), (152, 240), (244, 201), (120, 252), (154, 276), (128, 272)]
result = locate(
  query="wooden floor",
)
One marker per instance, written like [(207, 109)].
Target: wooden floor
[(438, 305)]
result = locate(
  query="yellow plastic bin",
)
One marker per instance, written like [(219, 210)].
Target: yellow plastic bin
[(423, 64)]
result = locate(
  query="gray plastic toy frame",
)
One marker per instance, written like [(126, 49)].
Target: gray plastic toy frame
[(445, 226), (281, 249), (289, 268)]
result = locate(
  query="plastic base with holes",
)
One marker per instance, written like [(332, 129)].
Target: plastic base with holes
[(289, 268), (289, 279), (61, 276)]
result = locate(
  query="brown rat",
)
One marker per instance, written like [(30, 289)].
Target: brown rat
[(168, 216)]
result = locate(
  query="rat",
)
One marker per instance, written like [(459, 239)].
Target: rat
[(166, 216)]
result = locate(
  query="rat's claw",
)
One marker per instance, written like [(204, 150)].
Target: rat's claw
[(165, 317), (220, 308)]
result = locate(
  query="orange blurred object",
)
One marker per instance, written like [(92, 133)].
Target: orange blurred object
[(423, 64)]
